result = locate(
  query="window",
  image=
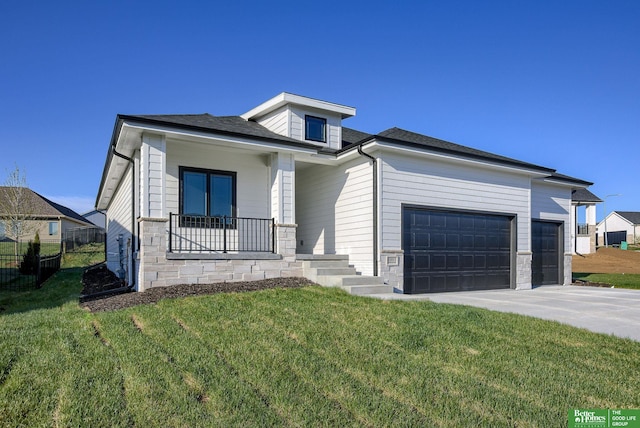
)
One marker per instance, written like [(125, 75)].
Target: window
[(315, 128), (53, 228), (206, 193)]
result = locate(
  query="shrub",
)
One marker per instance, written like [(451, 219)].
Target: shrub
[(29, 265)]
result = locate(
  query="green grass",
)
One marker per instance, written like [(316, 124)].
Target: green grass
[(311, 356), (619, 280), (46, 248)]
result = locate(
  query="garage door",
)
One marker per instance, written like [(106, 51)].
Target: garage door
[(545, 248), (455, 251)]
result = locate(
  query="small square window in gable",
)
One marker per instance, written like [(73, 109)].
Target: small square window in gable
[(315, 129)]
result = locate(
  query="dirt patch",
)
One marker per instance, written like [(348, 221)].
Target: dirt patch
[(608, 260), (153, 295)]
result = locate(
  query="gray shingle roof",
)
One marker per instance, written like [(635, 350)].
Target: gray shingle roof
[(43, 207), (631, 216), (404, 136), (223, 124), (351, 136), (583, 195)]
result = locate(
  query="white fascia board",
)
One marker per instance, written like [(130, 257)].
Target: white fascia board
[(285, 98), (551, 180), (246, 143), (368, 147)]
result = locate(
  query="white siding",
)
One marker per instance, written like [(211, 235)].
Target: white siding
[(277, 121), (425, 182), (253, 176), (334, 126), (282, 188), (616, 223), (552, 202), (152, 174), (119, 222), (334, 209)]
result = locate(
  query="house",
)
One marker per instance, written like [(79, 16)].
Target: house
[(286, 189), (583, 235), (96, 217), (24, 212), (619, 226)]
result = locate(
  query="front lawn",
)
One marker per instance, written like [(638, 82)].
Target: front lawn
[(618, 280), (308, 356)]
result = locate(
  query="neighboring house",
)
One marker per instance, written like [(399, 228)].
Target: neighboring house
[(619, 226), (583, 235), (46, 217), (96, 217), (281, 189)]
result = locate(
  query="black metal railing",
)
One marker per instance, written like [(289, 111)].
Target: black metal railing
[(14, 277), (583, 229), (201, 234)]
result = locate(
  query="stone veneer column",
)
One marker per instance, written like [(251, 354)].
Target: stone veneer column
[(152, 253), (286, 241), (392, 268), (523, 270), (568, 277)]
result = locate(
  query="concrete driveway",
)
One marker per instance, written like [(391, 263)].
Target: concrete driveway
[(603, 310)]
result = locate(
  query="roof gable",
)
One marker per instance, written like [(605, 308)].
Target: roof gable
[(43, 207), (631, 216)]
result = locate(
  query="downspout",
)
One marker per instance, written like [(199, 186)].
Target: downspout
[(375, 208), (133, 213)]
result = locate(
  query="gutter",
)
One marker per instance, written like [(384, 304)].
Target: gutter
[(133, 213), (375, 208)]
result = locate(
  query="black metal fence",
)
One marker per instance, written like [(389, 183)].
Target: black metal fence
[(200, 234), (14, 277)]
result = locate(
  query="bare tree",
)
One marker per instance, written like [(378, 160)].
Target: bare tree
[(16, 207)]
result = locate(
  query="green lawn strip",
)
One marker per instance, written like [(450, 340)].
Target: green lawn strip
[(91, 387), (154, 389), (227, 398), (618, 280), (275, 369), (473, 354)]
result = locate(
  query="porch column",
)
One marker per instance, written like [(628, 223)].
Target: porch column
[(283, 203), (152, 255), (152, 175), (591, 223)]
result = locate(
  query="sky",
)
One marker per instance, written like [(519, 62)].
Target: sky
[(554, 83)]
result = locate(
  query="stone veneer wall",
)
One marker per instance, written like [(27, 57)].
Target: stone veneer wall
[(523, 270), (157, 268), (568, 277), (392, 268)]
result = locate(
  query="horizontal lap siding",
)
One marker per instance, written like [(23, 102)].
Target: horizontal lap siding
[(333, 131), (334, 212), (253, 176), (276, 121), (119, 220), (552, 202), (425, 182)]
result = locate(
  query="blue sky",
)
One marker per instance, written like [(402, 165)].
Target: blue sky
[(555, 83)]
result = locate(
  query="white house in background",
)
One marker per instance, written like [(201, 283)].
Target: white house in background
[(583, 235), (285, 189), (620, 226), (96, 217)]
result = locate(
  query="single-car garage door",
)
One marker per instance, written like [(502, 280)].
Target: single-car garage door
[(455, 251), (545, 253)]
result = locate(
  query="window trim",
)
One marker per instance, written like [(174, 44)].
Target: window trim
[(57, 227), (197, 221), (306, 128)]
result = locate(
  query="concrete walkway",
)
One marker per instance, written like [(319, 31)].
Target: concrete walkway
[(602, 310)]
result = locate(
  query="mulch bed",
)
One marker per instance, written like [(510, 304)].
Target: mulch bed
[(591, 284), (94, 276)]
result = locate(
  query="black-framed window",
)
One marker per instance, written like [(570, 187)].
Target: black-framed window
[(206, 193), (315, 129)]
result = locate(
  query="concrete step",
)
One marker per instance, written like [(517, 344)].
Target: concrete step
[(335, 271), (345, 280), (325, 263), (365, 290), (304, 257)]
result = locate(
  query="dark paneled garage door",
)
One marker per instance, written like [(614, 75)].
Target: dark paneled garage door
[(455, 251), (545, 248)]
